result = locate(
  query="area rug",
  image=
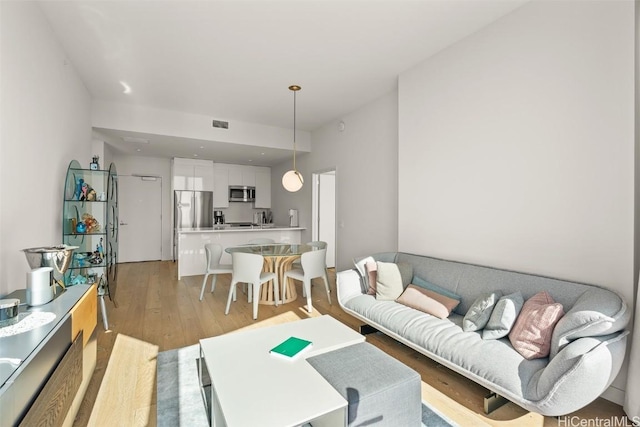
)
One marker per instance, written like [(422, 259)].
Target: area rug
[(180, 400)]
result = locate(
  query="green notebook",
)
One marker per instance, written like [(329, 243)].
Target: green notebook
[(290, 348)]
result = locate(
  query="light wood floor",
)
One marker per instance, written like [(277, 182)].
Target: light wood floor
[(156, 312)]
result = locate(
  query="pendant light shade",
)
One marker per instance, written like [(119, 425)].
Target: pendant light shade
[(292, 180)]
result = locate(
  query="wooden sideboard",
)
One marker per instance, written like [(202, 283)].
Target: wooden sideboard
[(50, 383)]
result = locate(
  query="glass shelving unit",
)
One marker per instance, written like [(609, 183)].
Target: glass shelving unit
[(90, 221)]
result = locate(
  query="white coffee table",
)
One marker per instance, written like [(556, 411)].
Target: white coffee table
[(250, 387)]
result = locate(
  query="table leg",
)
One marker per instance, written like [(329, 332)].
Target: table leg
[(278, 265)]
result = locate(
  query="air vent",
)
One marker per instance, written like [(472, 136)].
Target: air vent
[(220, 124)]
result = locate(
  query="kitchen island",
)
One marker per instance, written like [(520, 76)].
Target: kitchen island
[(191, 241)]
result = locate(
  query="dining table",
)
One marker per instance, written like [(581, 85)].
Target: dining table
[(278, 258)]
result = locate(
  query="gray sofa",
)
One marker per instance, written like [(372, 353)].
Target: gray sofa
[(587, 348)]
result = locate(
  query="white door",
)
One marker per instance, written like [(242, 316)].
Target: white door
[(140, 209), (324, 224)]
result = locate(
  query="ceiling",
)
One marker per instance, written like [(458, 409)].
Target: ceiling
[(234, 59)]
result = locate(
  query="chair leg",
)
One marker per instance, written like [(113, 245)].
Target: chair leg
[(326, 285), (204, 283), (231, 294), (249, 291), (276, 290), (306, 285), (213, 282), (256, 297)]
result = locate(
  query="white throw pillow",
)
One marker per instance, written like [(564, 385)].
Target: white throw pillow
[(389, 286)]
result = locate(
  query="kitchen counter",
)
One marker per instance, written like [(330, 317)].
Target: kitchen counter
[(191, 241), (231, 228)]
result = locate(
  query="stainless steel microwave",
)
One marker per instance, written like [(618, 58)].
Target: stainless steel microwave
[(242, 194)]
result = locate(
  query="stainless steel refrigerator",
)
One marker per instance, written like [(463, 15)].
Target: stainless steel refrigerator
[(191, 209)]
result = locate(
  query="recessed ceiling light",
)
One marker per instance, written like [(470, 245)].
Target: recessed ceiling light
[(202, 146), (138, 150), (195, 155)]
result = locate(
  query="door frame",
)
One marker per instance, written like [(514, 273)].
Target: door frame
[(315, 207), (147, 177)]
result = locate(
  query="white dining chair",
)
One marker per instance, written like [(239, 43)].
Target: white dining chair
[(247, 268), (213, 253), (316, 243), (313, 265), (261, 241)]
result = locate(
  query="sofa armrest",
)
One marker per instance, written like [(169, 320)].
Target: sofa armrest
[(596, 312), (348, 284), (578, 374)]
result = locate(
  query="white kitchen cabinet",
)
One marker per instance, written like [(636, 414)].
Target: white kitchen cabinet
[(263, 188), (203, 179), (192, 174), (220, 186), (235, 174), (182, 175), (242, 175), (248, 176)]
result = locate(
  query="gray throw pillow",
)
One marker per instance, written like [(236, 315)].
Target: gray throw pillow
[(503, 317), (480, 312), (389, 285)]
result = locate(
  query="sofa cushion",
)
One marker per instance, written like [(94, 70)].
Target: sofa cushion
[(428, 301), (480, 311), (445, 341), (503, 317), (389, 282), (531, 334)]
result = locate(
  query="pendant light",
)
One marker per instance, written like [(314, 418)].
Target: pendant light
[(292, 180)]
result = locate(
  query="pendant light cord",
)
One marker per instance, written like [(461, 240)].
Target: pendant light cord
[(294, 131)]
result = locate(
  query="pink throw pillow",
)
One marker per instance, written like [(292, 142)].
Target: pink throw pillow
[(427, 301), (531, 334), (372, 271)]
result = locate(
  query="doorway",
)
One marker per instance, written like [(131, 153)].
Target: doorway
[(324, 212), (140, 226)]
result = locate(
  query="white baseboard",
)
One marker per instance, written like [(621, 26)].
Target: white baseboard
[(614, 394)]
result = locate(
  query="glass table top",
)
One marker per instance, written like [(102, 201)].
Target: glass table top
[(273, 249)]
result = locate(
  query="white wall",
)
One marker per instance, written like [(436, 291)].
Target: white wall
[(365, 156), (45, 116), (525, 135)]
